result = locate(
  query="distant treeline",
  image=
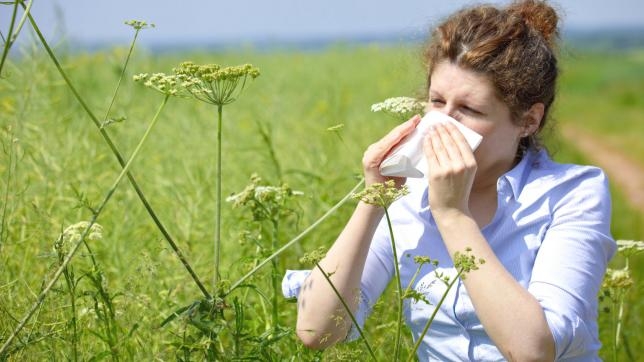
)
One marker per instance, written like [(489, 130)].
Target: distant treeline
[(606, 39)]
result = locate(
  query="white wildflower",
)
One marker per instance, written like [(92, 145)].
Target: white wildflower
[(630, 247), (403, 107), (72, 235), (618, 279)]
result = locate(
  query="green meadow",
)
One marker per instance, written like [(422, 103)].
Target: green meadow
[(304, 122)]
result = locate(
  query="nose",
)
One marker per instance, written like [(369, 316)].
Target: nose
[(447, 110)]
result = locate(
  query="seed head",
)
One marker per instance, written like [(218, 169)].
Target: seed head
[(209, 83), (422, 260), (314, 256), (138, 24), (466, 262), (214, 84), (381, 194), (165, 84)]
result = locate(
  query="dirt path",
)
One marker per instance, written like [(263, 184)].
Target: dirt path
[(623, 172)]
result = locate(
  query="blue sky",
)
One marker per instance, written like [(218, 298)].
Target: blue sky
[(201, 21)]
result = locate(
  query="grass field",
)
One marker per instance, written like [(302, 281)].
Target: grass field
[(55, 169)]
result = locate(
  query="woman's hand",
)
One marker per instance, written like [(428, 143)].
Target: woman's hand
[(377, 152), (451, 168)]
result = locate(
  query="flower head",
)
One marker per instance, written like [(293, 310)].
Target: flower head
[(264, 201), (72, 235), (314, 256), (618, 279), (138, 24), (466, 262), (209, 83), (381, 194), (401, 107), (214, 84), (630, 247), (165, 84)]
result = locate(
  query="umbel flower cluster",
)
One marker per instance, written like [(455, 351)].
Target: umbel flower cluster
[(381, 194), (209, 83), (401, 107), (467, 262), (139, 24), (630, 247), (264, 201), (72, 235), (620, 280)]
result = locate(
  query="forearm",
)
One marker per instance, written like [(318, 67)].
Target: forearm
[(503, 306), (322, 319)]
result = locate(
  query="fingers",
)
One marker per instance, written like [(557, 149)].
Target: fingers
[(377, 151), (460, 142), (452, 168), (445, 145), (397, 134)]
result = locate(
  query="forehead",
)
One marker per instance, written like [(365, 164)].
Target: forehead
[(450, 80)]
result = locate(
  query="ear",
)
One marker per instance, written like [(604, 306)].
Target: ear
[(532, 118)]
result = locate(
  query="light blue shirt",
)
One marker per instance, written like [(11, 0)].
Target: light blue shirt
[(551, 231)]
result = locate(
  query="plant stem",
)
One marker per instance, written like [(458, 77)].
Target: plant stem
[(398, 285), (275, 275), (218, 196), (71, 287), (7, 42), (11, 36), (118, 84), (297, 238), (431, 318), (72, 252), (620, 317), (5, 205), (613, 324), (121, 161), (348, 310)]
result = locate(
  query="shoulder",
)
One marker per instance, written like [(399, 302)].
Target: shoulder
[(565, 180)]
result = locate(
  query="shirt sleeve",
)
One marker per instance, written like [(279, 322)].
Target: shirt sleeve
[(571, 263), (376, 274)]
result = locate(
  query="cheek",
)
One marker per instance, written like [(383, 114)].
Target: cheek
[(496, 141), (484, 128)]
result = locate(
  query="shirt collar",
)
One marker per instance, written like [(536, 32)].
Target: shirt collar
[(518, 175)]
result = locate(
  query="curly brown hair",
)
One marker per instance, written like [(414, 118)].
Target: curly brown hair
[(512, 46)]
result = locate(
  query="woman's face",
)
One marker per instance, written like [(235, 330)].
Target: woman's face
[(470, 98)]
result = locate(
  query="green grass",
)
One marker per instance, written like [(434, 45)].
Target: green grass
[(52, 153), (602, 92)]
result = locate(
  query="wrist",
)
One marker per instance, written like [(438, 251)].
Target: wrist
[(450, 215)]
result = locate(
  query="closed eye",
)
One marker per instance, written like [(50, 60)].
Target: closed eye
[(472, 110)]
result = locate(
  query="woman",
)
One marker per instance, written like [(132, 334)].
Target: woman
[(541, 227)]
